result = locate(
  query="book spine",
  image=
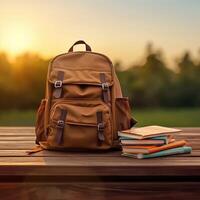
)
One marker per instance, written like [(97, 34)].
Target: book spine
[(179, 150)]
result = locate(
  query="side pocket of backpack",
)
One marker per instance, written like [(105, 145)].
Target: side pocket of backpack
[(39, 126), (124, 120)]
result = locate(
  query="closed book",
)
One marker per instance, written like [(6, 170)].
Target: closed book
[(143, 142), (147, 132), (129, 136), (174, 151), (153, 138), (136, 149), (152, 149)]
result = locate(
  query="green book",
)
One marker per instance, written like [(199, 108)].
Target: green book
[(157, 141), (178, 150)]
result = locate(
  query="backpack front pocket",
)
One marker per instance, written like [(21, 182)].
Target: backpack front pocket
[(79, 124)]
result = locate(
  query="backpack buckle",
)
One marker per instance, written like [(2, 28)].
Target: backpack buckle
[(100, 131), (100, 127), (60, 124), (105, 86), (58, 84)]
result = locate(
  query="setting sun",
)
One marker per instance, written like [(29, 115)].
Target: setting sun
[(16, 39)]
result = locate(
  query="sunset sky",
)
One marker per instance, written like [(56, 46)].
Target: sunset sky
[(119, 28)]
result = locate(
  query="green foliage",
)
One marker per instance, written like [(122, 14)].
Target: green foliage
[(17, 118), (151, 84), (173, 117), (22, 82)]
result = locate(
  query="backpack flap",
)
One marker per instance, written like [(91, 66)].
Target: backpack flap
[(81, 84)]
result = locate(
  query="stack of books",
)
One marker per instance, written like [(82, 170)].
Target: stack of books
[(151, 142)]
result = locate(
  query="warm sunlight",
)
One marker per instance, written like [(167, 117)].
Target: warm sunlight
[(16, 39)]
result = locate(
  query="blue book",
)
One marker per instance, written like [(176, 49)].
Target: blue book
[(178, 150), (160, 140)]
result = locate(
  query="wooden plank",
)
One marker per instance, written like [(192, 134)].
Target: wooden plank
[(13, 131), (16, 144), (29, 144), (36, 169), (187, 138), (190, 129), (45, 153), (70, 160), (8, 134), (101, 166), (17, 138), (186, 133), (6, 142), (17, 129), (100, 190)]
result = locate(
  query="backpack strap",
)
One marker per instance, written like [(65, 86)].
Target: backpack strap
[(60, 126), (100, 126), (58, 85), (35, 149), (105, 88)]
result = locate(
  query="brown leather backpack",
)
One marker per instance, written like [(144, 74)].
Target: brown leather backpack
[(83, 107)]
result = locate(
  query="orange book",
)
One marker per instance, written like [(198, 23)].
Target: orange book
[(172, 145), (152, 149)]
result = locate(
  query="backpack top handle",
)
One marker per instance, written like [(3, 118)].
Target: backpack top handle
[(87, 47)]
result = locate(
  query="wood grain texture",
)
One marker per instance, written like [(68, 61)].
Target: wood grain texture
[(17, 138), (100, 191), (22, 153), (15, 141), (17, 144), (91, 175)]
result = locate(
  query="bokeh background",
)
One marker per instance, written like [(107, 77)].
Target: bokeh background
[(154, 45)]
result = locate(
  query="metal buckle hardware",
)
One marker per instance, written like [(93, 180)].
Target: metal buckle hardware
[(58, 84), (60, 124), (100, 127), (105, 86)]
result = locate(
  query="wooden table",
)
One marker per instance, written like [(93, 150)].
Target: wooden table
[(57, 175)]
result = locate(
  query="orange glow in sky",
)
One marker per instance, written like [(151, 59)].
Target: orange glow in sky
[(120, 29), (16, 39)]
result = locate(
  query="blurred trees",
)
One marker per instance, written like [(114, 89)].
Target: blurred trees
[(22, 82), (152, 83), (5, 79)]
